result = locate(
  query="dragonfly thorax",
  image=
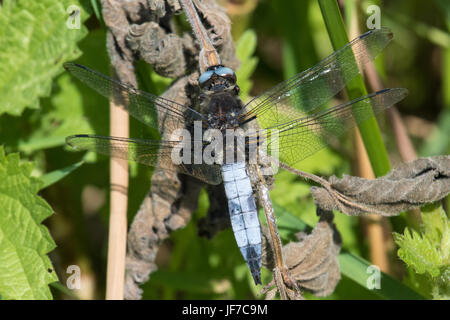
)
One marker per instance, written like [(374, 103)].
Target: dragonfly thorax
[(222, 109)]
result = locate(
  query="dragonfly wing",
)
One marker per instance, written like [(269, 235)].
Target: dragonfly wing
[(143, 106), (149, 152), (312, 88), (296, 140)]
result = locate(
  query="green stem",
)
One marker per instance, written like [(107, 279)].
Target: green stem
[(369, 130)]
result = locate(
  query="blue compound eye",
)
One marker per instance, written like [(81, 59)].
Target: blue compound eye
[(224, 72), (205, 76)]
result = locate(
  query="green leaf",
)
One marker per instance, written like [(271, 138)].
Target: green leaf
[(54, 176), (357, 269), (35, 41), (63, 115), (245, 48), (97, 10), (419, 253), (73, 107), (25, 269), (149, 80), (428, 252), (439, 141), (63, 289), (296, 32)]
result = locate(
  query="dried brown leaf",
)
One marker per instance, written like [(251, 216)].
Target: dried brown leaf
[(312, 261), (408, 186)]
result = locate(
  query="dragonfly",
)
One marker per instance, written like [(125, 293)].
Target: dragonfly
[(293, 111)]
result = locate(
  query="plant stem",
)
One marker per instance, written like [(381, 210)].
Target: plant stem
[(370, 151), (115, 275), (369, 130)]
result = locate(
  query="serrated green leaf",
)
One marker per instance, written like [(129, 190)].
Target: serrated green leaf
[(418, 252), (24, 241), (35, 41), (73, 107), (64, 117), (426, 252)]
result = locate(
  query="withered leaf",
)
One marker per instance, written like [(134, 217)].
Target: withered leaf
[(312, 261), (408, 186), (158, 48)]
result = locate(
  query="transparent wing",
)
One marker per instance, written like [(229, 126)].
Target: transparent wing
[(143, 106), (311, 88), (296, 140), (148, 152)]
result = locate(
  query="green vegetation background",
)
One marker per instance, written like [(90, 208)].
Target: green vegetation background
[(40, 105)]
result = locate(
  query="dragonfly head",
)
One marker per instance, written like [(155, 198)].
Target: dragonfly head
[(218, 78)]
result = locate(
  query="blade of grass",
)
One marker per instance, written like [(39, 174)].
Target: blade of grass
[(369, 130), (298, 46), (54, 176), (97, 11), (60, 287), (352, 266), (356, 268)]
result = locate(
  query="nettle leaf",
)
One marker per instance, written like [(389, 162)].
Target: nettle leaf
[(35, 41), (25, 269), (66, 114), (429, 251), (245, 48), (419, 252), (73, 107), (428, 255)]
